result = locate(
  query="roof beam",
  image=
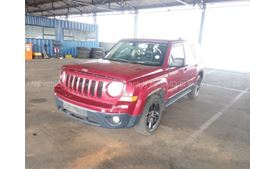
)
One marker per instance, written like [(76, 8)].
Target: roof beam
[(36, 3), (53, 9), (69, 7), (72, 4), (59, 14), (92, 5), (75, 13)]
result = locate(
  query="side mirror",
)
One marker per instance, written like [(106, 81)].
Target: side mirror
[(178, 62)]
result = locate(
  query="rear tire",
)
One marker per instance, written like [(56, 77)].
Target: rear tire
[(151, 116), (196, 88)]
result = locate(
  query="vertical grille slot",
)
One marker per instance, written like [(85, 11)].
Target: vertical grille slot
[(93, 88), (80, 85), (71, 81), (67, 80), (86, 87), (75, 83), (99, 89)]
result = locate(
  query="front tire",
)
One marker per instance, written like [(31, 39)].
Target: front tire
[(196, 88), (151, 116)]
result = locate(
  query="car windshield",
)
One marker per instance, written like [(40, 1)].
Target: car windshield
[(138, 52)]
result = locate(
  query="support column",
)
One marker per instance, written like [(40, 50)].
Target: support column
[(135, 23), (202, 22), (94, 17)]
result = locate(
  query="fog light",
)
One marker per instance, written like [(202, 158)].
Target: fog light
[(116, 119)]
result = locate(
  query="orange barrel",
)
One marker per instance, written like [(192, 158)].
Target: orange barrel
[(28, 51)]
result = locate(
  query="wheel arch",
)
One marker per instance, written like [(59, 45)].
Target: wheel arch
[(159, 91), (201, 74)]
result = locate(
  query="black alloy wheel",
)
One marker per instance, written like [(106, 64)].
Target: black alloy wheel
[(152, 116)]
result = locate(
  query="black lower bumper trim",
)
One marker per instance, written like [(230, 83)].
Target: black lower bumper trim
[(96, 118)]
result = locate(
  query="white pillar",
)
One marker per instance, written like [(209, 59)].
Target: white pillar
[(94, 17), (202, 22), (135, 23)]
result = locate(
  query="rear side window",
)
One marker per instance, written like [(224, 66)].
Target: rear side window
[(190, 54), (176, 52)]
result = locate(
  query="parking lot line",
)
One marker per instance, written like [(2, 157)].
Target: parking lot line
[(191, 139), (210, 71), (226, 88)]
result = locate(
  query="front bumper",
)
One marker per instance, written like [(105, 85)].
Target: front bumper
[(96, 118)]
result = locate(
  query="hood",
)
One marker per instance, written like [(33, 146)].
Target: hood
[(117, 70)]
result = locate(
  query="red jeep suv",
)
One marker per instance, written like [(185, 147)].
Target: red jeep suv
[(131, 85)]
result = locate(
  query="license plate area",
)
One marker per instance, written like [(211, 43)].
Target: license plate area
[(74, 110)]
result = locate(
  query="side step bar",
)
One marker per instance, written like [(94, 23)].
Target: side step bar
[(178, 96)]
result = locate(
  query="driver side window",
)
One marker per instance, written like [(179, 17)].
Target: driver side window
[(177, 52)]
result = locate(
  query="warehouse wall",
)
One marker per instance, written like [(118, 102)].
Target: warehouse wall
[(68, 46), (158, 23), (226, 39), (115, 27), (170, 24), (106, 45)]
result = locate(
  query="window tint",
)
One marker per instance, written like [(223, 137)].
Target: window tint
[(189, 53), (176, 52)]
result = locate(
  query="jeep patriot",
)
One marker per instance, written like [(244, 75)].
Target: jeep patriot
[(131, 85)]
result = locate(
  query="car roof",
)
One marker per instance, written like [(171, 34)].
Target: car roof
[(155, 40)]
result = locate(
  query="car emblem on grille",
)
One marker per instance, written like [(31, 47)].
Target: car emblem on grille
[(84, 70)]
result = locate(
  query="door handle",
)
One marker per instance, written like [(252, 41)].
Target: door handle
[(196, 65)]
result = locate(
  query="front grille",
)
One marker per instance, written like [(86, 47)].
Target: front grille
[(84, 86)]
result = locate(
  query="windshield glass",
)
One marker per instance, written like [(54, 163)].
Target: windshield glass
[(146, 53)]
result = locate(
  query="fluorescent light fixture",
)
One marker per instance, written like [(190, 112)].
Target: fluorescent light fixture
[(95, 6), (182, 2)]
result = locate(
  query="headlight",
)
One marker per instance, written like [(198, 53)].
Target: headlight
[(63, 77), (114, 89)]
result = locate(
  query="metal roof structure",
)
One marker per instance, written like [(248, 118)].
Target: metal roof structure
[(51, 8)]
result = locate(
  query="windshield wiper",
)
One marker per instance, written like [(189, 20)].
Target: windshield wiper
[(136, 62), (146, 63), (120, 60)]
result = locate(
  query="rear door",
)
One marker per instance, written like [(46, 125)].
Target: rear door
[(190, 64)]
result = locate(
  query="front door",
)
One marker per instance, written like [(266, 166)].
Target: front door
[(177, 76)]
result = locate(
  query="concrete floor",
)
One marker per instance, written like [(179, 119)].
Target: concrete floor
[(210, 132)]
